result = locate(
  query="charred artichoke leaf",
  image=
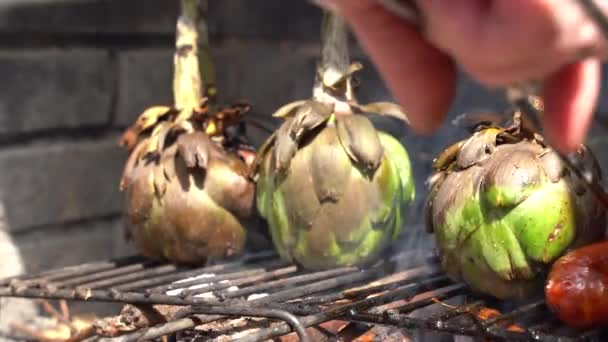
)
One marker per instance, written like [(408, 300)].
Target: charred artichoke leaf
[(194, 149), (589, 167), (159, 180), (448, 156), (146, 120), (309, 116), (288, 109), (328, 158), (129, 138), (337, 80), (162, 137), (167, 162), (360, 140), (303, 205), (434, 182), (552, 165), (228, 186), (523, 123), (477, 148), (264, 182), (512, 176), (262, 154), (126, 179), (154, 147), (285, 146), (385, 109), (151, 116), (163, 171)]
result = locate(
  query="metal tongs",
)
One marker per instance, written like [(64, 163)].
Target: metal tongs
[(518, 95)]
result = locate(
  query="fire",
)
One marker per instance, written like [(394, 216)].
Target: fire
[(64, 327)]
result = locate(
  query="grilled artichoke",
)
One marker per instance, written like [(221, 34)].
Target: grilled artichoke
[(188, 195), (503, 206), (331, 187)]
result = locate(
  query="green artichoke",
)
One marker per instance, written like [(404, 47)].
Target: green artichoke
[(503, 206), (332, 187)]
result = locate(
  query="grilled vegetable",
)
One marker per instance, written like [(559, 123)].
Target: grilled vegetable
[(577, 286), (331, 186), (503, 206), (188, 195)]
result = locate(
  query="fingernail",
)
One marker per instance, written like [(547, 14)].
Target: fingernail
[(329, 5)]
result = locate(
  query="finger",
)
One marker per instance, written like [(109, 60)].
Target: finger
[(533, 68), (499, 42), (570, 97), (490, 32), (421, 78)]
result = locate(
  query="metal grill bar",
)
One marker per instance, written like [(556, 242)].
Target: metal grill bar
[(293, 281), (109, 274), (53, 275), (350, 309), (287, 298), (158, 281)]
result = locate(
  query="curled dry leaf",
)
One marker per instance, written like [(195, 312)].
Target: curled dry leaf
[(148, 119), (385, 109), (288, 109)]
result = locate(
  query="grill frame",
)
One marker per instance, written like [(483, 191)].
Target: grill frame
[(384, 294)]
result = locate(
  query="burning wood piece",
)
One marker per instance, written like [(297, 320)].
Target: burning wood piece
[(134, 318), (382, 333), (334, 330), (314, 334), (481, 314), (63, 327)]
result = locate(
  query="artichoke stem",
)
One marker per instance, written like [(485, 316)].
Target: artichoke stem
[(187, 83), (205, 59), (335, 61)]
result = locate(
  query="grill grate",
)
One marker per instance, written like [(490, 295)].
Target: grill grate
[(397, 291)]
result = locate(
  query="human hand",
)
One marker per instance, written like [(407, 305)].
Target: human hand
[(497, 42)]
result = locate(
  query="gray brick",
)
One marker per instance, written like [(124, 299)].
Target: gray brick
[(270, 19), (44, 249), (11, 309), (97, 16), (145, 80), (53, 183), (267, 74), (47, 89)]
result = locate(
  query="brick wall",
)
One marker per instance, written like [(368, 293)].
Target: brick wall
[(75, 73)]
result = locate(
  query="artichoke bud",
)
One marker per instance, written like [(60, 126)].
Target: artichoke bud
[(502, 206), (332, 188), (188, 197)]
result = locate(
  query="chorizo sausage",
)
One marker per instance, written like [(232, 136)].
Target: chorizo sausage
[(577, 286)]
